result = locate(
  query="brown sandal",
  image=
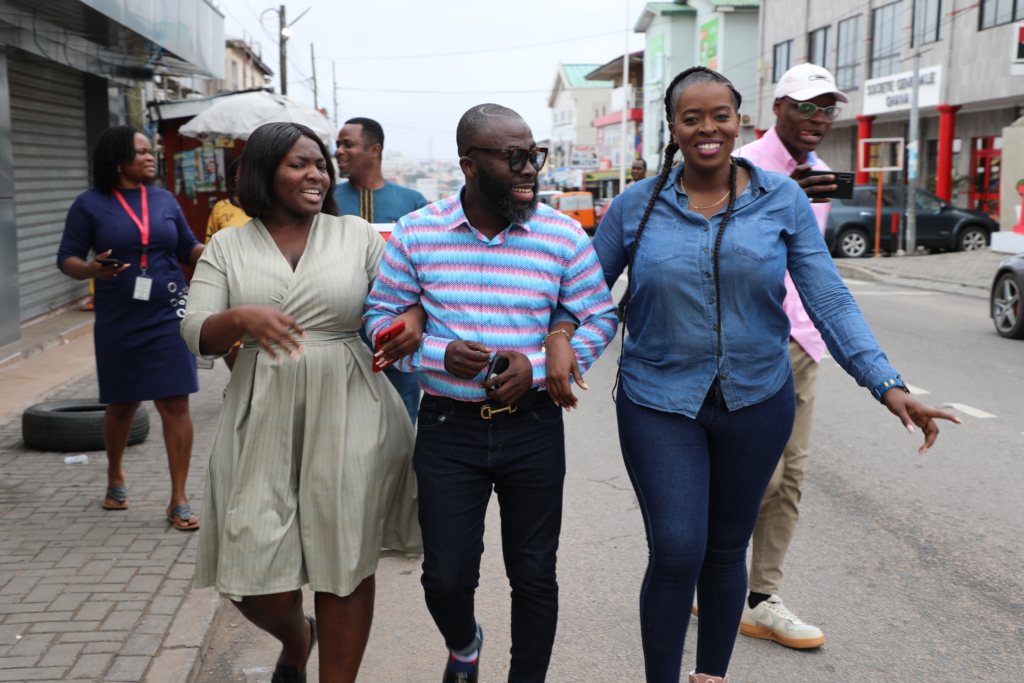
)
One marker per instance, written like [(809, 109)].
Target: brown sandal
[(119, 494)]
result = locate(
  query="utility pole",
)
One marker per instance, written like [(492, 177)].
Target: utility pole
[(312, 60), (912, 157), (334, 82), (626, 96), (282, 42)]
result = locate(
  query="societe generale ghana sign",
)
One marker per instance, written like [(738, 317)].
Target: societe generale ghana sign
[(893, 93)]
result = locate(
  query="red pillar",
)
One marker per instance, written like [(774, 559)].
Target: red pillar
[(947, 127), (759, 133), (863, 133)]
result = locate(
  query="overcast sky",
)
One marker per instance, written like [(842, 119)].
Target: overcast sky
[(507, 54)]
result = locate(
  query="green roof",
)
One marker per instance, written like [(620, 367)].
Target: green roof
[(669, 9), (738, 4), (576, 75)]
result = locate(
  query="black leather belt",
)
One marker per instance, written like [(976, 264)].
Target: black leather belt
[(486, 409)]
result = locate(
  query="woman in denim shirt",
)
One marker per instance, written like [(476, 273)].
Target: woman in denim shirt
[(706, 398)]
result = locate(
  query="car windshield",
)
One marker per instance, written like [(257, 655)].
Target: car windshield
[(928, 202)]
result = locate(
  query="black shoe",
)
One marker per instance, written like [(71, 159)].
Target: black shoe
[(464, 672), (286, 673)]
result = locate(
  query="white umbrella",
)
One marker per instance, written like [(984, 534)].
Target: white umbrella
[(237, 116)]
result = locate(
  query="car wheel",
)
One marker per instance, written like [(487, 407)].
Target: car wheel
[(1006, 310), (971, 238), (852, 243)]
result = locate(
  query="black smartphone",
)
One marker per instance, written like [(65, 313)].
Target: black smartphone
[(110, 262), (844, 184), (498, 365)]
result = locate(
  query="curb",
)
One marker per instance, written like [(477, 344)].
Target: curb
[(56, 340), (945, 286)]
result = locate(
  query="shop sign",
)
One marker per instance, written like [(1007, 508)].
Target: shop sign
[(585, 156), (893, 93), (709, 44), (1017, 66)]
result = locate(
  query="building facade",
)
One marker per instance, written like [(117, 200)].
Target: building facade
[(718, 34), (968, 91), (575, 102), (604, 181), (69, 69)]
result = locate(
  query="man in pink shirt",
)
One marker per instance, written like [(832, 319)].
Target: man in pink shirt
[(805, 107)]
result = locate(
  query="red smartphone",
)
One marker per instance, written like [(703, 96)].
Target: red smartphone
[(383, 338)]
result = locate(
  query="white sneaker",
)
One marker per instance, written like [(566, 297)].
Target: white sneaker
[(770, 620)]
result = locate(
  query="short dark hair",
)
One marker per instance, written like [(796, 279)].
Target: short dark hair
[(372, 130), (114, 147), (642, 161), (476, 119), (260, 158)]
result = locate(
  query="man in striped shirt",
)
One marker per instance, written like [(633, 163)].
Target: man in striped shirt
[(490, 266)]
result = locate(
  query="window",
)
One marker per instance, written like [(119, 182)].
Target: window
[(996, 12), (817, 47), (848, 54), (926, 201), (783, 60), (927, 21), (886, 32)]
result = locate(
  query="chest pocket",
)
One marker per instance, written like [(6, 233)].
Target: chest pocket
[(755, 238), (660, 243)]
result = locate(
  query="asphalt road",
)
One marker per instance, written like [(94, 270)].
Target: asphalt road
[(911, 565)]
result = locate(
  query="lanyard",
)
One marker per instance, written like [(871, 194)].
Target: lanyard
[(143, 225)]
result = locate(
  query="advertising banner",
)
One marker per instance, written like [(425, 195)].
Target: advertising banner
[(709, 44)]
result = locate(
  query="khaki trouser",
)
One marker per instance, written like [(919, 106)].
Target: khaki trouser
[(780, 505)]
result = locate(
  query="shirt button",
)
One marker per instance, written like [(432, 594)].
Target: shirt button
[(711, 301), (707, 274), (714, 327), (725, 376), (705, 249), (705, 228)]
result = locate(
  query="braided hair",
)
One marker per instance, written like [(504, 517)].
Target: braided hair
[(692, 76)]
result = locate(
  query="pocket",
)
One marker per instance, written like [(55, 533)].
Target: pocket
[(660, 243), (547, 414), (432, 415), (756, 238)]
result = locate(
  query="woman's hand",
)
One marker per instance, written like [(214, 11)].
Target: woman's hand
[(408, 341), (560, 363), (271, 328), (911, 412)]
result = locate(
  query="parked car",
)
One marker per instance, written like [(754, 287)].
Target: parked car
[(578, 205), (1006, 288), (850, 231)]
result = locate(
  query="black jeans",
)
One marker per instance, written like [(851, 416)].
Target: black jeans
[(459, 458)]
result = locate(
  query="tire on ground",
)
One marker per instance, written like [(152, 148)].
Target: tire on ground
[(74, 425), (1005, 307), (971, 238), (852, 243)]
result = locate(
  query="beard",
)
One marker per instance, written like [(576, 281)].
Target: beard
[(501, 197)]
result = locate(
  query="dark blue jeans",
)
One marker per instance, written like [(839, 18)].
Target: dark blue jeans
[(699, 483), (407, 384), (459, 457)]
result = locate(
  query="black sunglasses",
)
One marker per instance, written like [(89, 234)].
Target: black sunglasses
[(517, 157), (807, 110)]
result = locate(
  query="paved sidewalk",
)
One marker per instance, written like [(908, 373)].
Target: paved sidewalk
[(961, 272), (94, 595)]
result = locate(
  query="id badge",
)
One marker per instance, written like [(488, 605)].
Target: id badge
[(143, 285)]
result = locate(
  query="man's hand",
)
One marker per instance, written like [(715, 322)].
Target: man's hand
[(514, 382), (466, 359), (911, 412), (560, 363), (814, 184)]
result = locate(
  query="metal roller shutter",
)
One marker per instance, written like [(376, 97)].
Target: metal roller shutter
[(51, 168)]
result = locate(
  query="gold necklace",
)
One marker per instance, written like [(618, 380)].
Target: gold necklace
[(697, 208)]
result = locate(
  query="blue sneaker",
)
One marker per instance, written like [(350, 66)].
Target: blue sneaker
[(464, 672)]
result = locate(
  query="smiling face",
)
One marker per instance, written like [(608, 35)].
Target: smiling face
[(301, 181), (356, 156), (512, 194), (705, 126), (801, 136), (142, 167)]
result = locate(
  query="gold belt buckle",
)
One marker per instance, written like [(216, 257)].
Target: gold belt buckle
[(486, 411)]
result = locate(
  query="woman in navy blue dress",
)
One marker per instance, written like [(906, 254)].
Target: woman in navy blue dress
[(140, 355)]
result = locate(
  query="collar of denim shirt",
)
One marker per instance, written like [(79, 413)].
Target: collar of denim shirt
[(759, 185)]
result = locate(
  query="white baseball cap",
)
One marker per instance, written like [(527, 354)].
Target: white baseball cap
[(805, 82)]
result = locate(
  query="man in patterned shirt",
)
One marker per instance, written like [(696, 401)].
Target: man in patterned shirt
[(490, 266)]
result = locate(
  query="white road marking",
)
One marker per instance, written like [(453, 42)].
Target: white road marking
[(895, 293), (917, 390), (968, 410)]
